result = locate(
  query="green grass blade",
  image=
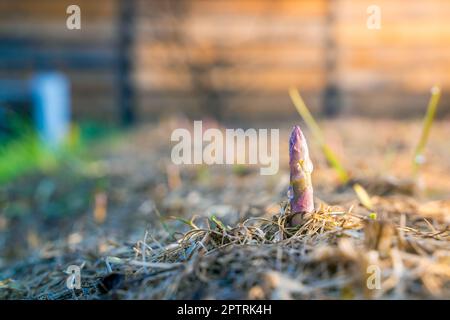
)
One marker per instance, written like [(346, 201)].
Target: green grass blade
[(363, 196), (218, 222), (331, 157), (426, 127)]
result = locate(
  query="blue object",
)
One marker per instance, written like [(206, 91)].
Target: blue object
[(51, 101)]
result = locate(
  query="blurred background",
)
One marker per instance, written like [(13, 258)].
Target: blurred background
[(142, 60)]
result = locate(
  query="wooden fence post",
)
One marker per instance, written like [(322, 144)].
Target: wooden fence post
[(125, 65), (332, 95)]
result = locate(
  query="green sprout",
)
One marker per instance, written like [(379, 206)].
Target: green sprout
[(363, 196), (426, 127), (217, 222)]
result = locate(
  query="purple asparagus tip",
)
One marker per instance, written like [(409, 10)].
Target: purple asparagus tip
[(301, 167)]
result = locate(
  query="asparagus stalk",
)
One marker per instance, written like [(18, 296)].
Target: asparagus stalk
[(301, 167)]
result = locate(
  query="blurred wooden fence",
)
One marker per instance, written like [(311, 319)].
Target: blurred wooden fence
[(233, 58), (34, 37)]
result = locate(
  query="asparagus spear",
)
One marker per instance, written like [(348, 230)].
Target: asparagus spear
[(301, 167)]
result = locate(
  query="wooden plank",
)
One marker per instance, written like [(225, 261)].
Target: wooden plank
[(232, 79), (55, 9), (386, 103), (394, 35), (54, 33), (149, 54), (235, 7), (242, 106), (395, 10)]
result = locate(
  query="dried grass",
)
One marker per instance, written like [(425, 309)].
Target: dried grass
[(327, 257)]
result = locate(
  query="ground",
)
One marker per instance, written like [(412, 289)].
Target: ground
[(141, 227)]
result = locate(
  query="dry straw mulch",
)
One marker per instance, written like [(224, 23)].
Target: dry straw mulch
[(335, 254)]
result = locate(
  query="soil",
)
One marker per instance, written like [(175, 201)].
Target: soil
[(142, 228)]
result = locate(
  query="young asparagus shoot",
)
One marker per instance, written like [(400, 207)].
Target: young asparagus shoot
[(301, 167), (331, 157), (426, 127)]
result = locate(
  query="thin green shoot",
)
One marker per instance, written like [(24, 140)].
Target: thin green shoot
[(218, 223), (331, 157), (426, 127), (363, 196)]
